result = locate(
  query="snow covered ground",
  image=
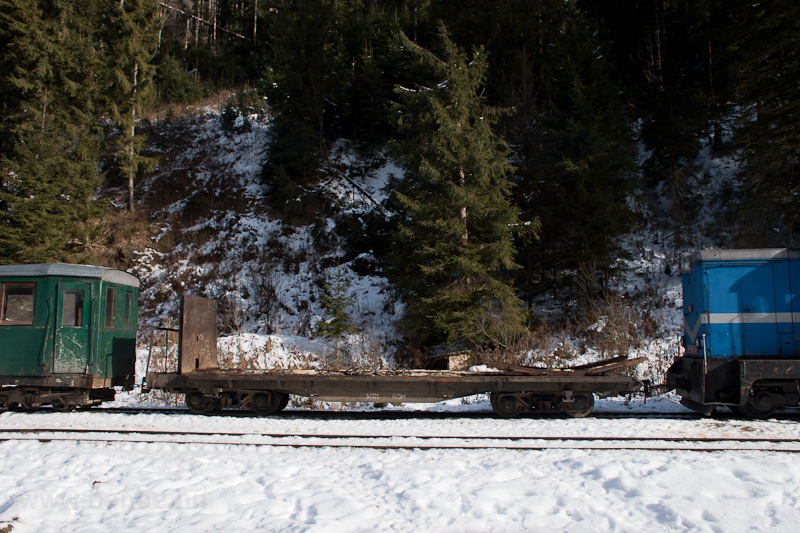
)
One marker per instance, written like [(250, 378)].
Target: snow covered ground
[(90, 486)]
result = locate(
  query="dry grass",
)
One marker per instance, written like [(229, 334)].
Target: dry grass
[(610, 326), (544, 345), (216, 101)]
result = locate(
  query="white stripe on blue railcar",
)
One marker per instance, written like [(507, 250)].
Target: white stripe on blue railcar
[(737, 318)]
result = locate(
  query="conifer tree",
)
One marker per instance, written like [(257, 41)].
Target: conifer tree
[(49, 138), (301, 83), (336, 301), (768, 90), (454, 247), (131, 39), (585, 153)]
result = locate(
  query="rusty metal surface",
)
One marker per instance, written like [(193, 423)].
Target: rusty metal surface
[(199, 376), (198, 345), (388, 386), (598, 368)]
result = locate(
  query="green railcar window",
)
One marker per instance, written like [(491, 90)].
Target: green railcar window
[(128, 308), (72, 311), (19, 302), (111, 307)]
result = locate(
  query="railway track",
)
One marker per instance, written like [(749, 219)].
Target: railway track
[(790, 414), (318, 414), (404, 442), (313, 414)]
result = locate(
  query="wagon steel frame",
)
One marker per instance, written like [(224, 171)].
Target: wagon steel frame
[(514, 389)]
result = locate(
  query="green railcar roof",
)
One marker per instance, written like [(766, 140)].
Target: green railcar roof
[(112, 275)]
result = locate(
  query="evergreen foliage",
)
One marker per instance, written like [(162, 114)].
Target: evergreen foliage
[(331, 70), (337, 301), (131, 41), (577, 73), (584, 156), (174, 83), (768, 89), (301, 86), (454, 248), (50, 139)]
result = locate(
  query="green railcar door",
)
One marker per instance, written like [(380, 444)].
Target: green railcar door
[(72, 329)]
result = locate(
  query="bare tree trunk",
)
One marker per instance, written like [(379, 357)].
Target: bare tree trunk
[(415, 21), (462, 180), (255, 20), (214, 30), (197, 27), (44, 108), (132, 171)]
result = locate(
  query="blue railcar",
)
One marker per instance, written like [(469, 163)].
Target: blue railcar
[(741, 327)]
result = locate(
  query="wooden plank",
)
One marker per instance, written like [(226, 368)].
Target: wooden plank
[(532, 370), (198, 345)]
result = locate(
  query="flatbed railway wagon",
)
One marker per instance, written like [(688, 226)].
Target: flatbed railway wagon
[(741, 313), (67, 334), (513, 390)]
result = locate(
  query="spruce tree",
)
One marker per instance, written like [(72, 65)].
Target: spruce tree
[(336, 301), (49, 138), (768, 91), (454, 248), (131, 40), (301, 84), (585, 154)]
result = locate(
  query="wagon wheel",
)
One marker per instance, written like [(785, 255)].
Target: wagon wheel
[(284, 401), (265, 403), (758, 406), (505, 405), (581, 405), (199, 404)]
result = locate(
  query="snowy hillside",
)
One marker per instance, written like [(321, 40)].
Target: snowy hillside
[(212, 233)]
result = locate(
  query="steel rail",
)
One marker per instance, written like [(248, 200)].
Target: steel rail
[(394, 436), (460, 442), (389, 415), (322, 414)]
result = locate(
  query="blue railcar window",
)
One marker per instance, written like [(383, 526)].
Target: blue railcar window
[(19, 302), (111, 307), (72, 309)]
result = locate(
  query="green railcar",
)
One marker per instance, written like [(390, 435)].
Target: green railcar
[(67, 334)]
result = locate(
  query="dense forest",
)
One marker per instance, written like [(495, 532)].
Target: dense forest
[(519, 125)]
